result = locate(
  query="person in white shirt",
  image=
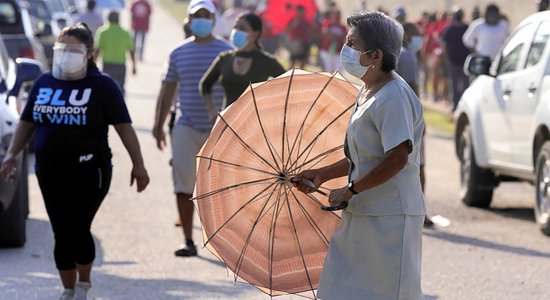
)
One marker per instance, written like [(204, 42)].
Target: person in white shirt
[(486, 35), (91, 17), (231, 14)]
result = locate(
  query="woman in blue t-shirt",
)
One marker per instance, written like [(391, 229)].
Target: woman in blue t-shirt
[(70, 110)]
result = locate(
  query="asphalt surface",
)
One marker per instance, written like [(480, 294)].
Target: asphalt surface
[(483, 254)]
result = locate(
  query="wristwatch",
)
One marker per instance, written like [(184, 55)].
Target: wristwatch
[(350, 188)]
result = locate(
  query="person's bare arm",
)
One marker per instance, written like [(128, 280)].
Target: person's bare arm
[(133, 57), (22, 135), (392, 162), (164, 103), (131, 143)]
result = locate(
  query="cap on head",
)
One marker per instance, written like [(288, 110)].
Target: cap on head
[(195, 5)]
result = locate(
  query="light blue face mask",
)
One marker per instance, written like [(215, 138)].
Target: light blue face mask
[(415, 44), (239, 38), (201, 27), (350, 60)]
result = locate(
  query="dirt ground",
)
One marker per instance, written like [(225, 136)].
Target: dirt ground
[(515, 10)]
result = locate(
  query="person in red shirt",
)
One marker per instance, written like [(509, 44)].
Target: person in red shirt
[(333, 37), (141, 12), (434, 54), (299, 31)]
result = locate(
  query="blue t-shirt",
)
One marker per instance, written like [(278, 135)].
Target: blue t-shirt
[(188, 63), (72, 118)]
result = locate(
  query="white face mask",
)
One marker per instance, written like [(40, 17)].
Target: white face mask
[(69, 65), (350, 60)]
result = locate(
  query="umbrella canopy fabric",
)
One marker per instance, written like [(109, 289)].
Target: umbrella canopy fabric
[(263, 229)]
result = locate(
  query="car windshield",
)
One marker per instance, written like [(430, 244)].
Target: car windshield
[(10, 19), (57, 6), (8, 14), (40, 10)]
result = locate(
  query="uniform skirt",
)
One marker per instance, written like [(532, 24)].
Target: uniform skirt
[(374, 257)]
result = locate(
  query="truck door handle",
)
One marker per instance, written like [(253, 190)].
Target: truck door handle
[(532, 89), (506, 95)]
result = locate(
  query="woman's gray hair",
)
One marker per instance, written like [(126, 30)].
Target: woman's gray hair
[(378, 31)]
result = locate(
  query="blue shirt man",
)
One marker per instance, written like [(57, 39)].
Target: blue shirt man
[(187, 64)]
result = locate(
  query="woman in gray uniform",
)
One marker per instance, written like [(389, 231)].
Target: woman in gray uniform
[(376, 252)]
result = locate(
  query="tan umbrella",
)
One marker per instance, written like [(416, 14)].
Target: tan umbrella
[(264, 230)]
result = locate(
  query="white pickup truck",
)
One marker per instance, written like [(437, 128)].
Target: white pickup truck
[(503, 119)]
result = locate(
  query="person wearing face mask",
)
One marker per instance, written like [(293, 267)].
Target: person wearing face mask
[(188, 62), (407, 68), (236, 69), (70, 110), (485, 36), (457, 53), (333, 35), (376, 252)]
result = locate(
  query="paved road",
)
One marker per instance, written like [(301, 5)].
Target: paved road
[(483, 254)]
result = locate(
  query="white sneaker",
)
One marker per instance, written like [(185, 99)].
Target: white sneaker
[(68, 294), (83, 291)]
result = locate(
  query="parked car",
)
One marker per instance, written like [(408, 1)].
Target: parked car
[(503, 119), (14, 76), (43, 22), (19, 35)]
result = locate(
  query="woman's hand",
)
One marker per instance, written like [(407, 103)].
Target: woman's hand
[(314, 176), (139, 175), (338, 196), (8, 167)]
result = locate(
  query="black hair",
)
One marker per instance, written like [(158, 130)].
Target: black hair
[(376, 32), (255, 23), (113, 16), (81, 32), (91, 5)]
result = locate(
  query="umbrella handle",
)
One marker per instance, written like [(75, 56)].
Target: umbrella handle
[(336, 207)]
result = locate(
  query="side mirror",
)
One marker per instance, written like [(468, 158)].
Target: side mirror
[(476, 65), (26, 70), (44, 30)]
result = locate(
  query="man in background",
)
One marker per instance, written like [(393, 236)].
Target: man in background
[(141, 12), (91, 17), (486, 35), (456, 53), (187, 64), (112, 43)]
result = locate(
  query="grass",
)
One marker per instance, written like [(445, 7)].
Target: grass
[(176, 8), (439, 121)]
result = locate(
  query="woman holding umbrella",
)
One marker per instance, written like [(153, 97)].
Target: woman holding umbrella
[(236, 69), (376, 252)]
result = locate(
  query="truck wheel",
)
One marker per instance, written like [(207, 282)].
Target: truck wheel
[(476, 184), (542, 185), (13, 220)]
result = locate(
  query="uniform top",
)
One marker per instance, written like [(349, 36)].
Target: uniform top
[(263, 66), (72, 117), (187, 64), (392, 116)]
